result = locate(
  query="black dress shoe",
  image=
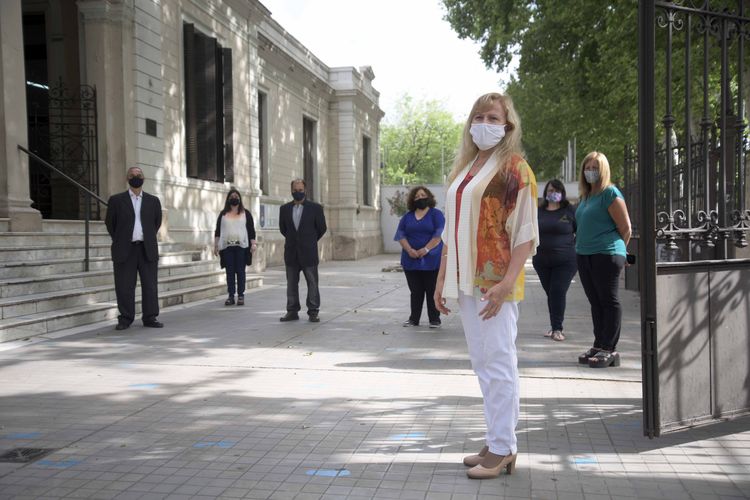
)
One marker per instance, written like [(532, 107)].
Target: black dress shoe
[(290, 316), (154, 324), (314, 318), (122, 326)]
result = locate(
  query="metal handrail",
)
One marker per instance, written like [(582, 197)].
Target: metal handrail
[(81, 187)]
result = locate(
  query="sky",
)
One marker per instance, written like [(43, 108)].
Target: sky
[(408, 44)]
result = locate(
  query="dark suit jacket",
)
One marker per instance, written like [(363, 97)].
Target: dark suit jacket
[(301, 245), (249, 227), (121, 219)]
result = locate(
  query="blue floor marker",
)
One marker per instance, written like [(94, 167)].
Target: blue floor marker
[(23, 435), (214, 444), (411, 435), (586, 460), (143, 386), (58, 464), (328, 472)]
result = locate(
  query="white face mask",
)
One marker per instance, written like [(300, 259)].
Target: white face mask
[(486, 136), (592, 176)]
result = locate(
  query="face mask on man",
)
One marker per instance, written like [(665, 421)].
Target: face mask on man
[(486, 135), (135, 182), (554, 197), (592, 176), (421, 203), (298, 195), (234, 201)]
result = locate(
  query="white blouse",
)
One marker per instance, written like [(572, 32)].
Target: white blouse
[(233, 233)]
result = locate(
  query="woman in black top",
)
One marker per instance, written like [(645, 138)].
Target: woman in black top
[(555, 259)]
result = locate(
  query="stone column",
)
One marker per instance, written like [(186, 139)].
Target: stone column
[(15, 203), (108, 62)]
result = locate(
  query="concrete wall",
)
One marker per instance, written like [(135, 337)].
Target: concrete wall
[(389, 219)]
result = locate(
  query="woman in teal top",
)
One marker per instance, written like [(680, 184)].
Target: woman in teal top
[(602, 236)]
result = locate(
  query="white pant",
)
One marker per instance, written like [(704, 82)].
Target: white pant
[(492, 349)]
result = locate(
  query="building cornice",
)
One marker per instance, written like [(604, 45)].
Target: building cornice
[(295, 66), (111, 11), (360, 99)]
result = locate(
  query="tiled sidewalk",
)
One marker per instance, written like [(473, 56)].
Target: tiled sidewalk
[(226, 402)]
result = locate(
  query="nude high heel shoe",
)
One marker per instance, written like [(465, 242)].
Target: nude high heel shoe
[(474, 460), (479, 472)]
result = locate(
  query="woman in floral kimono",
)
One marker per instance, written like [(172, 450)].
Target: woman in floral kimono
[(491, 229)]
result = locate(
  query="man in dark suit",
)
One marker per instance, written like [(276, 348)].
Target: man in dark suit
[(303, 223), (133, 218)]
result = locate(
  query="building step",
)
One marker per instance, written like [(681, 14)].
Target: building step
[(30, 325), (34, 240), (26, 269), (63, 299), (44, 289), (51, 252), (66, 281), (64, 225), (57, 225)]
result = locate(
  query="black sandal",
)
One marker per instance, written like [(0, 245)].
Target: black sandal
[(583, 359), (603, 359), (229, 301)]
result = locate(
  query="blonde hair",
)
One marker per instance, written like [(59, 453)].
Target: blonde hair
[(510, 144), (584, 188)]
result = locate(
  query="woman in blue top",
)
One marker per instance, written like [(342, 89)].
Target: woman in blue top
[(602, 236), (419, 233)]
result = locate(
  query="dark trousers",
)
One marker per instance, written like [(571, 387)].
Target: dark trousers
[(421, 284), (292, 289), (555, 276), (235, 260), (125, 280), (600, 277)]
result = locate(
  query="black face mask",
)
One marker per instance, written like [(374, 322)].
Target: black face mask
[(421, 203), (298, 195), (135, 182), (234, 201)]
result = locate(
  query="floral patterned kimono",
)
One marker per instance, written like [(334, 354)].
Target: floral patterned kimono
[(497, 212)]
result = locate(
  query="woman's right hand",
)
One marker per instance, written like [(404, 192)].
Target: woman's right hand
[(216, 251), (439, 299), (412, 253)]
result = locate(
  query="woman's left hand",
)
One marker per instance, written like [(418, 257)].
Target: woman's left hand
[(494, 297)]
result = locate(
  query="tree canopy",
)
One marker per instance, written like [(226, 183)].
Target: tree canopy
[(577, 71), (419, 142)]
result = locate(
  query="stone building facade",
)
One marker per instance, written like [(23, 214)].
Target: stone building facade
[(202, 95)]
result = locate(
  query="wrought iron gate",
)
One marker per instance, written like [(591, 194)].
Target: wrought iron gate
[(693, 220), (63, 130)]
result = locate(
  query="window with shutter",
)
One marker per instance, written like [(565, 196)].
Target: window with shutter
[(365, 170), (228, 115), (308, 156), (208, 107), (263, 141)]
